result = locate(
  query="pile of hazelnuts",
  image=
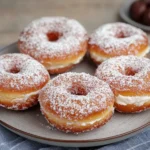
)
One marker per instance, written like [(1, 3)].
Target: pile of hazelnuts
[(140, 11)]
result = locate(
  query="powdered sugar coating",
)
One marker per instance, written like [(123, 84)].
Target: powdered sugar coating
[(31, 75), (118, 38), (34, 41), (58, 96), (115, 72)]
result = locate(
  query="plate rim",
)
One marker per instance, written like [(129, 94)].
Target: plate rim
[(16, 130), (75, 141)]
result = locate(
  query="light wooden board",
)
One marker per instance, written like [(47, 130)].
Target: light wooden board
[(16, 14)]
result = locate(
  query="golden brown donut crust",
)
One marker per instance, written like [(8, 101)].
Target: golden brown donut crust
[(76, 102), (128, 76), (116, 39), (21, 79), (57, 48), (78, 128), (20, 105), (131, 108)]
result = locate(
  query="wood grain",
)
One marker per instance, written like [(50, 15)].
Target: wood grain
[(16, 14)]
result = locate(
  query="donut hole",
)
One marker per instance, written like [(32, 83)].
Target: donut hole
[(77, 89), (121, 35), (14, 70), (130, 72), (53, 36)]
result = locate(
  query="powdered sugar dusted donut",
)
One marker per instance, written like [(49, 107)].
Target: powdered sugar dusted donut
[(129, 78), (57, 42), (21, 78), (76, 102), (116, 39)]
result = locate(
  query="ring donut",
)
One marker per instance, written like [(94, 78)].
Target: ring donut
[(58, 43), (76, 102), (129, 78), (116, 39), (21, 79)]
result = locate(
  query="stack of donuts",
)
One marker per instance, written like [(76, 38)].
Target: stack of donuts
[(77, 102)]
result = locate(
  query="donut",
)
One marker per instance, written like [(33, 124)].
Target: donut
[(76, 102), (117, 39), (129, 78), (58, 43), (21, 79)]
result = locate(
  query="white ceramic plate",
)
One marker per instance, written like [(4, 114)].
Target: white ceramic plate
[(32, 125), (124, 14)]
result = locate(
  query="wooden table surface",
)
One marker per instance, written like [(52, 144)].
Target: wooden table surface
[(16, 14)]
